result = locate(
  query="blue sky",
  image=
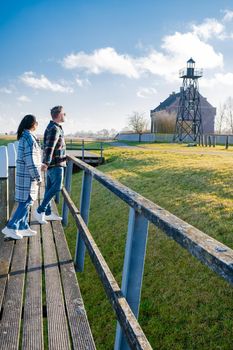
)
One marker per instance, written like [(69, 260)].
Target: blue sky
[(103, 60)]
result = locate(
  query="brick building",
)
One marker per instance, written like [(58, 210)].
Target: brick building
[(170, 106)]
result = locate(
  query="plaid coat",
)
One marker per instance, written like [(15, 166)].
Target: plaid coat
[(54, 153), (27, 167)]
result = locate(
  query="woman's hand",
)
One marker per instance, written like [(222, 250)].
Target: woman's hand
[(44, 167)]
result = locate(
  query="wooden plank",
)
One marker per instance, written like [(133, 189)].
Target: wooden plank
[(217, 256), (79, 326), (6, 250), (58, 333), (130, 326), (12, 307), (33, 311)]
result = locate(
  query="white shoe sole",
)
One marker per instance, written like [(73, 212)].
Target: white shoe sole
[(27, 234), (11, 235), (48, 219)]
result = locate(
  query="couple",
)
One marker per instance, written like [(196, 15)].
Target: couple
[(28, 172)]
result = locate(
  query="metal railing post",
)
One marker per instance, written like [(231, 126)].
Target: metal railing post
[(85, 201), (4, 203), (11, 179), (68, 181), (135, 252)]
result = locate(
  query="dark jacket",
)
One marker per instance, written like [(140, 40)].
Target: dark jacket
[(54, 153)]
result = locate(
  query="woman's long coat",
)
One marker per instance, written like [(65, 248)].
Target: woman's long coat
[(28, 166)]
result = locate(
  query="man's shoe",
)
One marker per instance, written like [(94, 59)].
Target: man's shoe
[(40, 217), (11, 233), (53, 217), (28, 232)]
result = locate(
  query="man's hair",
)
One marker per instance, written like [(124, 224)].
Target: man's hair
[(55, 111)]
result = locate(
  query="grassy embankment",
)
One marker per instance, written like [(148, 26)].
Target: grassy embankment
[(183, 304)]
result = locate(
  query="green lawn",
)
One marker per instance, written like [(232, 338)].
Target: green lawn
[(183, 304), (4, 140)]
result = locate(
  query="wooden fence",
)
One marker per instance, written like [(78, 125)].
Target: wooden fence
[(84, 145)]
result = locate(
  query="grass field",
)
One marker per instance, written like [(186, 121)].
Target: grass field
[(4, 140), (183, 304)]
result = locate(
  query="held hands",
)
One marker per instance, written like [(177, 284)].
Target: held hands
[(44, 167)]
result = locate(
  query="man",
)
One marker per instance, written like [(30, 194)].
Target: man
[(54, 161)]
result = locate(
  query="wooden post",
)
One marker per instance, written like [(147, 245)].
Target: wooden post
[(199, 140), (4, 203), (209, 140), (83, 150), (135, 252), (11, 179), (85, 201), (214, 141), (68, 181), (227, 144), (202, 140)]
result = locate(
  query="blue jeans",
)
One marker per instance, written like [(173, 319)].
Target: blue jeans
[(19, 220), (54, 181)]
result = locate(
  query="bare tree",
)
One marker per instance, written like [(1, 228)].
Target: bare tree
[(137, 122), (220, 119), (229, 112)]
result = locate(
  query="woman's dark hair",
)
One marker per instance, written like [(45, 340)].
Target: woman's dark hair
[(55, 111), (26, 124)]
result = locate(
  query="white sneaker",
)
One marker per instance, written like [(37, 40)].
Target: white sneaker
[(28, 232), (11, 233), (40, 217), (53, 217)]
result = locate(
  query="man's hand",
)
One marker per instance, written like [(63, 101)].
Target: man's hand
[(44, 167)]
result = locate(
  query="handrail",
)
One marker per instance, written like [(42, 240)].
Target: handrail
[(129, 323), (217, 256), (83, 148)]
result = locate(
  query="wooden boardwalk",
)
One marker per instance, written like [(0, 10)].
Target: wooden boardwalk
[(40, 300)]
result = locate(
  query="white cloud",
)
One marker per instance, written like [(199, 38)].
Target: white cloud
[(175, 50), (110, 104), (5, 90), (209, 28), (82, 82), (102, 60), (23, 98), (43, 83), (228, 16), (219, 79), (146, 92)]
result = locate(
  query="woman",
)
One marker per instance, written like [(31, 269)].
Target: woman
[(28, 178)]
